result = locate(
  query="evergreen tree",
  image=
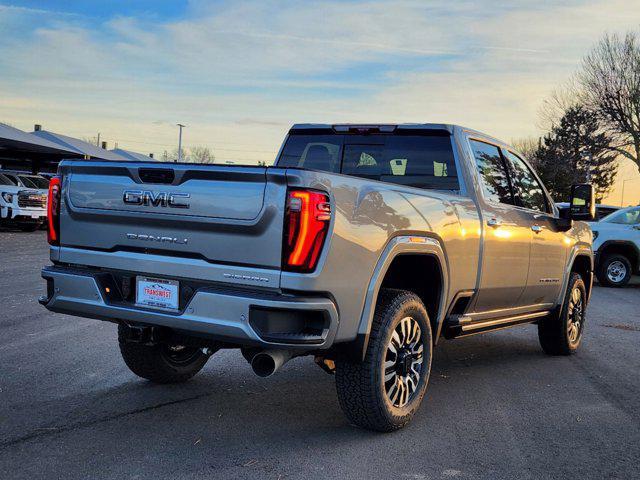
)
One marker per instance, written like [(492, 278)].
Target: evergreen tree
[(574, 151)]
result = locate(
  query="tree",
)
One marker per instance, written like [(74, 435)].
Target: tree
[(574, 151), (201, 155), (609, 82), (91, 140), (173, 156), (527, 146)]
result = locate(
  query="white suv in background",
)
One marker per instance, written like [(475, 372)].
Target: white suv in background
[(616, 242), (23, 200)]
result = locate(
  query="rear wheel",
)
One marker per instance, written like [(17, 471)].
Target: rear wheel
[(161, 362), (614, 271), (384, 391), (561, 334)]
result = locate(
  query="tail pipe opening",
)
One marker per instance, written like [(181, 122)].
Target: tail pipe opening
[(268, 362)]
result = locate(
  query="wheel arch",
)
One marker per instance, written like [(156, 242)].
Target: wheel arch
[(583, 266), (580, 261), (621, 247), (408, 255)]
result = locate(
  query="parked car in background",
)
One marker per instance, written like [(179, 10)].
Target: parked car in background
[(617, 247), (363, 246), (23, 200), (601, 210)]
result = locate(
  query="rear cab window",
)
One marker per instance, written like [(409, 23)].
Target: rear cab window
[(421, 160)]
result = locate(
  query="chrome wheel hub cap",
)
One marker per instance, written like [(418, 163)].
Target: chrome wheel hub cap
[(576, 315), (403, 362), (616, 271)]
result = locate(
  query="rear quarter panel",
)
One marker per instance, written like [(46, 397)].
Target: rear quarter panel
[(368, 215)]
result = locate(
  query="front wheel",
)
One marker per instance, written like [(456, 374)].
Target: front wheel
[(560, 334), (161, 362), (385, 390)]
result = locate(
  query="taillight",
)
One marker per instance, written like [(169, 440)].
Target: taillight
[(307, 220), (53, 211)]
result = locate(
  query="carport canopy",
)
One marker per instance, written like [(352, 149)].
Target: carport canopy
[(25, 151)]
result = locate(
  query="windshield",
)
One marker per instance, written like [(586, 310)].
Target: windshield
[(423, 161), (4, 180), (628, 216), (34, 182)]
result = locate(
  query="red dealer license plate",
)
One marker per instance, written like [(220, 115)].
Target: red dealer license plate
[(157, 293)]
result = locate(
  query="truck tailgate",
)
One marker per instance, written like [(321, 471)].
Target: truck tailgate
[(217, 214)]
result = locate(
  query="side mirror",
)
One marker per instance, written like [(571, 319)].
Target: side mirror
[(582, 204)]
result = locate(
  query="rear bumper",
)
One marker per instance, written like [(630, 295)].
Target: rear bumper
[(220, 314)]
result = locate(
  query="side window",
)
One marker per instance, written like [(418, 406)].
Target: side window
[(527, 189), (625, 217), (493, 172)]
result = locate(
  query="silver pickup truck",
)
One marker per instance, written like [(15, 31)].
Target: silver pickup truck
[(363, 246)]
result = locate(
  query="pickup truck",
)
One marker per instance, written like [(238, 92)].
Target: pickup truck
[(616, 243), (23, 200), (364, 246)]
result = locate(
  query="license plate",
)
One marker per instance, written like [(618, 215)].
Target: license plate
[(35, 215), (157, 293)]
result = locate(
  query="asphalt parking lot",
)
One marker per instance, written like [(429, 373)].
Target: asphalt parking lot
[(497, 406)]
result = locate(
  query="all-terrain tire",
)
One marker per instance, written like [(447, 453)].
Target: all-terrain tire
[(362, 391), (161, 363), (609, 261), (555, 331)]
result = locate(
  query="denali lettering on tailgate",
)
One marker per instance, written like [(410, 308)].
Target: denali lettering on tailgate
[(156, 238)]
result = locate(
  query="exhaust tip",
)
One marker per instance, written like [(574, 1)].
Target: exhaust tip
[(263, 364)]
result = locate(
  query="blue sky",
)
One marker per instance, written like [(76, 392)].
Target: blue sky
[(238, 73), (103, 9)]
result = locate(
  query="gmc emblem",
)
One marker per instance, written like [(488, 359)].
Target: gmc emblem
[(156, 199)]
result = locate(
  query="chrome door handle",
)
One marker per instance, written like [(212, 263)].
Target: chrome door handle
[(536, 228), (494, 222)]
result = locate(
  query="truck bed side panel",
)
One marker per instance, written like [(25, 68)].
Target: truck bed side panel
[(367, 215)]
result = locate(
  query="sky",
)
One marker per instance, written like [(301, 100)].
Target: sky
[(240, 73)]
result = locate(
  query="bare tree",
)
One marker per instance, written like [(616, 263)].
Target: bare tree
[(199, 154), (173, 156), (554, 107), (527, 146), (609, 83), (91, 140)]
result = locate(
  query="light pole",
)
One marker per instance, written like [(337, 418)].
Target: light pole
[(180, 142), (623, 182)]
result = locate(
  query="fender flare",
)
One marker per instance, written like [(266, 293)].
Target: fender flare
[(409, 244), (579, 250)]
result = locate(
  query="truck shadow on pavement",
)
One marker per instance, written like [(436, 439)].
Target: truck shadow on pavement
[(299, 399)]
